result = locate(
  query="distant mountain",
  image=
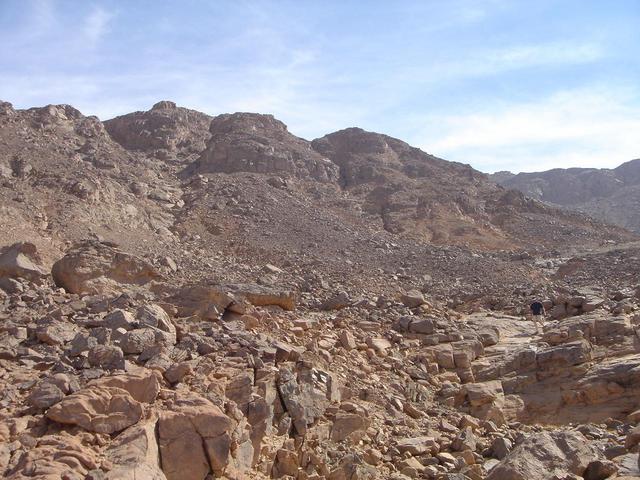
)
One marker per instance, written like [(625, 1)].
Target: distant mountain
[(610, 195)]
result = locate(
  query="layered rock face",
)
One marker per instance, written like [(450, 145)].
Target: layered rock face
[(248, 142)]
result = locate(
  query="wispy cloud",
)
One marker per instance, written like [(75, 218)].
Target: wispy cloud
[(481, 62), (584, 127), (96, 24)]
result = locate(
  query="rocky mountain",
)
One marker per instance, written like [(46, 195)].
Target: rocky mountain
[(165, 130), (610, 195), (193, 297)]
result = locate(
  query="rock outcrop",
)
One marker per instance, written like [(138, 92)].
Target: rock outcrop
[(166, 127), (95, 267), (248, 142)]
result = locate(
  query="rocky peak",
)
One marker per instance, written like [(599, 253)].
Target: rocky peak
[(250, 142), (164, 105), (367, 156), (165, 127), (251, 124), (6, 108), (61, 112)]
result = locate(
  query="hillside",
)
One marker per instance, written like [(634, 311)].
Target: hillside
[(186, 297), (610, 195)]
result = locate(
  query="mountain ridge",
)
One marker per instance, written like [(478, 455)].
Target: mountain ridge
[(608, 194)]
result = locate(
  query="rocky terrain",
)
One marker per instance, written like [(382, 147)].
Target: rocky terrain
[(193, 297), (611, 195)]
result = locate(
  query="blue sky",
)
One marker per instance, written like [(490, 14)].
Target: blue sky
[(499, 84)]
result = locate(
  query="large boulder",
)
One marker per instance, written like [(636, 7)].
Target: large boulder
[(94, 267), (545, 454), (306, 394), (21, 260), (564, 356), (54, 457), (142, 384), (134, 454), (261, 296), (346, 424), (195, 440), (210, 301), (98, 409), (206, 301)]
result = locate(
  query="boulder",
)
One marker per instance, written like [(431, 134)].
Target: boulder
[(194, 438), (21, 260), (412, 299), (98, 409), (107, 357), (563, 356), (262, 296), (483, 393), (60, 456), (545, 454), (345, 424), (134, 454), (306, 395), (339, 301), (142, 384), (94, 267)]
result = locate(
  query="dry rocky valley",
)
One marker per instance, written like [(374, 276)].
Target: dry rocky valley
[(187, 297)]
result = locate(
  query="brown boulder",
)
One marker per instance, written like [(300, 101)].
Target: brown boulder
[(345, 424), (563, 356), (94, 267), (54, 457), (194, 437), (142, 384), (98, 409), (261, 296), (21, 260), (545, 454), (135, 455)]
